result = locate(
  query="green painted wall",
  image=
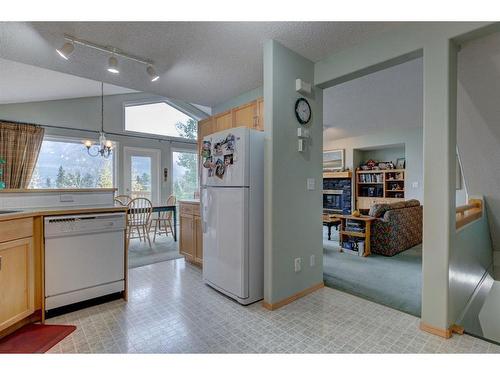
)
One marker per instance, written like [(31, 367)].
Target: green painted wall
[(292, 213), (434, 42), (238, 100)]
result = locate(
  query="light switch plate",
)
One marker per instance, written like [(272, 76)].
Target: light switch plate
[(297, 264), (414, 184), (311, 184)]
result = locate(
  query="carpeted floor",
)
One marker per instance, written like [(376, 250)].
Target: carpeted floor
[(164, 248), (391, 281)]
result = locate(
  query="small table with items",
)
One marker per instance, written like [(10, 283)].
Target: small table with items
[(357, 227), (329, 221)]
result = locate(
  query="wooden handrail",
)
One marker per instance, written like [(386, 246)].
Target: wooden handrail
[(468, 213)]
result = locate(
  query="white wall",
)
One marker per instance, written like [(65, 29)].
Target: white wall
[(82, 116)]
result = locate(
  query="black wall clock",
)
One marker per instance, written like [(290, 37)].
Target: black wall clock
[(303, 111)]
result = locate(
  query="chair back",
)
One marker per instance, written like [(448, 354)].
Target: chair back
[(123, 200), (139, 211), (171, 201)]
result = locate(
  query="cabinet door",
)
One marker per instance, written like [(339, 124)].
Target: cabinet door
[(260, 114), (17, 281), (198, 255), (205, 127), (246, 115), (223, 121), (186, 244)]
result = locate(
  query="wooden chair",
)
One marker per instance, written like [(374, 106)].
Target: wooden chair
[(123, 200), (165, 218), (139, 218)]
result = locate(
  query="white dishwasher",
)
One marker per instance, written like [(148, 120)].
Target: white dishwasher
[(84, 257)]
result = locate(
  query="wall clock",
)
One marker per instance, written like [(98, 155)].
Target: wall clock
[(303, 111)]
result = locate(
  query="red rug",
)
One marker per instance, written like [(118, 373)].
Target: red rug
[(34, 338)]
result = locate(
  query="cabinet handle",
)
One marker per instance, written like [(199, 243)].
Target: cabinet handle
[(0, 263)]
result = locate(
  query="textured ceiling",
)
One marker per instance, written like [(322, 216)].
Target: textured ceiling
[(22, 83), (387, 99), (199, 62)]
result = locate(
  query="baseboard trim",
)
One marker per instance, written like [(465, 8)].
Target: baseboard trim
[(446, 333), (293, 297)]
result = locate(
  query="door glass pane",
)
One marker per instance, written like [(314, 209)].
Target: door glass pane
[(185, 174), (141, 177)]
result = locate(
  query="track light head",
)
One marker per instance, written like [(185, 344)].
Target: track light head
[(66, 50), (152, 73), (113, 65)]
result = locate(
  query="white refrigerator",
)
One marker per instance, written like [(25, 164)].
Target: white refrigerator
[(232, 201)]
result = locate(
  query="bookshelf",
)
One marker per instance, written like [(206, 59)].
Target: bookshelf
[(379, 186)]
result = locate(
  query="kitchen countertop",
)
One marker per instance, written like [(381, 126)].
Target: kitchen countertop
[(62, 210), (192, 201)]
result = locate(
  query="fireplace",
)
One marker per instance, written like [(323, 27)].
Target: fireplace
[(337, 195)]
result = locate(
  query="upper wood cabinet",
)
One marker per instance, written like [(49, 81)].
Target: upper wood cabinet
[(246, 115), (250, 115), (223, 121)]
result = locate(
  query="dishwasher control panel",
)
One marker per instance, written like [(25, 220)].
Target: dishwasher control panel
[(89, 223)]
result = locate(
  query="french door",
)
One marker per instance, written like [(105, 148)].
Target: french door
[(142, 173)]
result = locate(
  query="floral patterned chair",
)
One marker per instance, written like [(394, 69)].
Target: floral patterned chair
[(397, 228)]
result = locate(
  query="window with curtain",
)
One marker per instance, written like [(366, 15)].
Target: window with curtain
[(19, 150), (64, 163)]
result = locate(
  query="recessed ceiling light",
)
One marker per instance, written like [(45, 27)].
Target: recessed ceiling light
[(113, 65), (152, 73), (66, 50)]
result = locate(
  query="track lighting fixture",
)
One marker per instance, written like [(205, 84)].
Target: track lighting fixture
[(113, 65), (66, 50), (152, 73)]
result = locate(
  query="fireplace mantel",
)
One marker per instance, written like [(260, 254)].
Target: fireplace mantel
[(346, 174)]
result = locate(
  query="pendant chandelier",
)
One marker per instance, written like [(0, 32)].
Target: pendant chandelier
[(104, 147)]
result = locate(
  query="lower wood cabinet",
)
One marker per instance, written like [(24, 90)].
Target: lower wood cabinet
[(17, 279), (191, 238)]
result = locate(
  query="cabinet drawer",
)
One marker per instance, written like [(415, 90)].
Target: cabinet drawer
[(186, 209), (15, 229)]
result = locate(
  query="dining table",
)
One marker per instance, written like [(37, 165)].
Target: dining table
[(163, 208)]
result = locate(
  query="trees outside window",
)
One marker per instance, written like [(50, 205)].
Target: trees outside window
[(65, 164)]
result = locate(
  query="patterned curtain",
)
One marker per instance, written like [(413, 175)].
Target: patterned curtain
[(19, 147)]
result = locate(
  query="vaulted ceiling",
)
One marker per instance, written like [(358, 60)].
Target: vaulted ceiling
[(200, 62)]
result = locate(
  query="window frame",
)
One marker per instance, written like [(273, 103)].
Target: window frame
[(134, 103), (65, 139), (186, 148)]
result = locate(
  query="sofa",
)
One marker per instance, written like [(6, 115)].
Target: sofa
[(398, 226)]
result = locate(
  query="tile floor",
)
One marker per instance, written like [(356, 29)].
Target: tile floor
[(170, 310)]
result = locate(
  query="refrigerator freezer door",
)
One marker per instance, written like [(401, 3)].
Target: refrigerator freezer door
[(225, 158), (225, 239)]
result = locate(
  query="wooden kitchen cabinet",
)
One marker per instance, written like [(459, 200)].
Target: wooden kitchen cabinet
[(223, 121), (17, 272), (246, 115), (198, 243), (260, 114), (186, 244), (191, 240)]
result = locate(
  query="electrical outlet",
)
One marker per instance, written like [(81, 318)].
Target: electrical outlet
[(312, 261), (66, 198), (414, 184), (298, 264)]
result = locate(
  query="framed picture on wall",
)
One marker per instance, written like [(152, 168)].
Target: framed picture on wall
[(400, 163), (333, 160)]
